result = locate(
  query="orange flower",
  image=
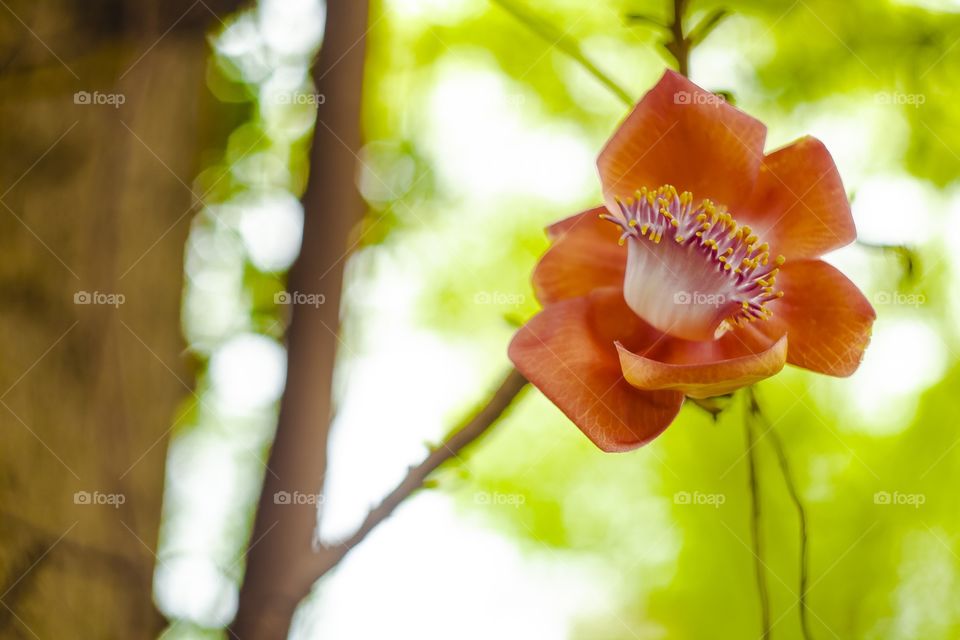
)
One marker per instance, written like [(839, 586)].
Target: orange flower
[(700, 275)]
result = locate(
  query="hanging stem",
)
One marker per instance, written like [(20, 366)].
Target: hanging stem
[(755, 517), (784, 464), (801, 515), (679, 46)]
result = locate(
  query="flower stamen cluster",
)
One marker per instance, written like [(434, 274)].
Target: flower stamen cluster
[(710, 232)]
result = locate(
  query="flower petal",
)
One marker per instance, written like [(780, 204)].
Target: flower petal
[(564, 351), (682, 135), (799, 204), (585, 256), (825, 316), (704, 369)]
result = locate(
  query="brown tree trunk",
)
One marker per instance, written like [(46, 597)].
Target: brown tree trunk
[(281, 564), (95, 198)]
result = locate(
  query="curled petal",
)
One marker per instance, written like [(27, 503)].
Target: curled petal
[(827, 319), (584, 256), (682, 135), (704, 369), (799, 204), (565, 353)]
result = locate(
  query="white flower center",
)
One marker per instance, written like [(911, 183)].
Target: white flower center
[(692, 271)]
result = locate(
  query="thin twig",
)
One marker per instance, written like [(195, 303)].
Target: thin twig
[(755, 518), (700, 32), (650, 20), (679, 46), (559, 39), (802, 516), (801, 513), (468, 432)]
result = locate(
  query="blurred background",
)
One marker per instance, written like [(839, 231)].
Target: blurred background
[(479, 131)]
